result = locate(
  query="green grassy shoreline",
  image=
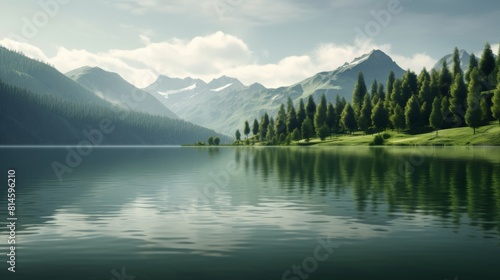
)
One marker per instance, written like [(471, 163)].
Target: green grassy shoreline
[(488, 135)]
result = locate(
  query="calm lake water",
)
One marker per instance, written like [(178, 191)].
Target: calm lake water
[(255, 213)]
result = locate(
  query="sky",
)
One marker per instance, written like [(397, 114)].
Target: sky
[(275, 43)]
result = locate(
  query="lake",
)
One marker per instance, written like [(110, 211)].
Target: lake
[(254, 213)]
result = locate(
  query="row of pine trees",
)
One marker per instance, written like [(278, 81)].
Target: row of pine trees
[(414, 103)]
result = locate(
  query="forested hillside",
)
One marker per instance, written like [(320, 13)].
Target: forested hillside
[(27, 118)]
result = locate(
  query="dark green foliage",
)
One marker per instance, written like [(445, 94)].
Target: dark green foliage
[(436, 117), (291, 118), (264, 125), (323, 132), (422, 77), (397, 94), (238, 135), (320, 116), (413, 117), (365, 118), (301, 113), (445, 80), (296, 135), (331, 117), (457, 70), (307, 129), (426, 98), (485, 111), (458, 99), (412, 80), (380, 92), (378, 140), (380, 116), (348, 119), (487, 66), (255, 128), (359, 93), (217, 141), (247, 129), (28, 118), (310, 108), (473, 113), (280, 125), (448, 117), (211, 141), (339, 107), (398, 118), (473, 63)]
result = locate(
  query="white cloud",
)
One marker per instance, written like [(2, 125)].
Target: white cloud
[(213, 55)]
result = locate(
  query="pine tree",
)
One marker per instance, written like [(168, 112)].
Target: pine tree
[(320, 116), (238, 135), (411, 78), (457, 69), (426, 99), (339, 107), (307, 129), (458, 99), (296, 135), (365, 118), (412, 113), (397, 94), (264, 124), (255, 128), (422, 77), (280, 126), (311, 108), (271, 132), (348, 119), (359, 93), (434, 85), (380, 116), (473, 113), (445, 80), (473, 63), (436, 118), (390, 82), (487, 66), (247, 129), (301, 114), (291, 117), (331, 117), (398, 118), (448, 117)]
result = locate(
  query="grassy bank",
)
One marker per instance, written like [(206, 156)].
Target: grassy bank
[(488, 135)]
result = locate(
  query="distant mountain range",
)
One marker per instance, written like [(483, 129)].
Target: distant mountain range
[(115, 90), (225, 103)]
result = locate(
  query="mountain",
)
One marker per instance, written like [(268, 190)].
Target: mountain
[(28, 118), (114, 89), (464, 61), (225, 103), (23, 72)]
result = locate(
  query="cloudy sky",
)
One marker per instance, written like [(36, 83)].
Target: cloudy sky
[(275, 43)]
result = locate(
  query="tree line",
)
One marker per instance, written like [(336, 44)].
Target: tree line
[(414, 103)]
